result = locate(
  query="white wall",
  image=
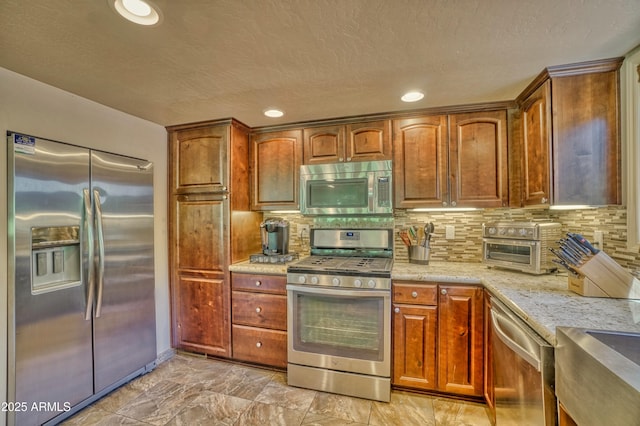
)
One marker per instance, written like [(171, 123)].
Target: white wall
[(30, 107)]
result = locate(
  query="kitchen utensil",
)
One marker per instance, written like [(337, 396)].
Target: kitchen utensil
[(405, 238)]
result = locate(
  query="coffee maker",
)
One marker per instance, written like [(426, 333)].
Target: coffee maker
[(275, 236)]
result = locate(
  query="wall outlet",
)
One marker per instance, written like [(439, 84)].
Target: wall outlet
[(598, 239), (302, 231), (449, 232)]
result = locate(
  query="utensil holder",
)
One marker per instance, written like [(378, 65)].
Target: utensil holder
[(419, 254)]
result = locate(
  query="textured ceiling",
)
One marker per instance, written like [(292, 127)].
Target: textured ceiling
[(314, 59)]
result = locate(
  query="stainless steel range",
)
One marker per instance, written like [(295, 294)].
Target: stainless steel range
[(339, 313)]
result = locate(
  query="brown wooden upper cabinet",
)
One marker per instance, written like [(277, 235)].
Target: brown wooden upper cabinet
[(570, 136), (199, 161), (368, 141), (457, 160), (275, 160)]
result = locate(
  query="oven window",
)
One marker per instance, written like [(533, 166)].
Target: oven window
[(343, 193), (350, 327), (509, 253)]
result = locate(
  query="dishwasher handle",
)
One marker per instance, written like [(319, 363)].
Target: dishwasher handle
[(501, 322)]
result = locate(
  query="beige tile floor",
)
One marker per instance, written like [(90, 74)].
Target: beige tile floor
[(189, 390)]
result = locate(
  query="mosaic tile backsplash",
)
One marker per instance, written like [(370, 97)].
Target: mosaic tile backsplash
[(467, 244)]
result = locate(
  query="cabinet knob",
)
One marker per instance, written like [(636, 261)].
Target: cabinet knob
[(224, 188), (544, 200), (258, 283), (340, 159), (443, 291), (444, 204), (258, 309), (414, 294), (348, 158), (453, 203), (396, 310), (259, 345)]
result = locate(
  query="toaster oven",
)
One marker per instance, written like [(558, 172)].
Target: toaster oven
[(520, 246)]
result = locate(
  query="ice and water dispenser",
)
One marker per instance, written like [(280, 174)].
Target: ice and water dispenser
[(55, 258)]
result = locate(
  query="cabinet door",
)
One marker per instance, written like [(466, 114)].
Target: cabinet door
[(200, 233), (460, 340), (414, 346), (420, 162), (199, 292), (478, 159), (202, 314), (276, 159), (324, 145), (369, 141), (536, 141), (198, 159), (586, 142)]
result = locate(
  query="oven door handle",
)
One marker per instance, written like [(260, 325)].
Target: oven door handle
[(338, 291), (499, 322)]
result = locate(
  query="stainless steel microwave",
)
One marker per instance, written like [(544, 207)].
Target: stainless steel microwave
[(353, 188)]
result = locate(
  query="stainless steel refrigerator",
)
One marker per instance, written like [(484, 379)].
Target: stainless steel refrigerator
[(81, 278)]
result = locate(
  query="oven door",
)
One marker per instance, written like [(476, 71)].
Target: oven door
[(339, 329), (523, 255)]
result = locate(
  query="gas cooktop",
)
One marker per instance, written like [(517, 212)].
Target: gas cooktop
[(356, 264)]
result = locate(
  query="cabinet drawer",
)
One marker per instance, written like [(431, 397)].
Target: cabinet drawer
[(259, 310), (415, 294), (260, 346), (261, 283)]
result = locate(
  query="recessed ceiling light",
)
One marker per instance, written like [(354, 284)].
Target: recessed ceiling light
[(273, 113), (412, 96), (141, 12)]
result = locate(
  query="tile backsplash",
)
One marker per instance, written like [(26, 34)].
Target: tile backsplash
[(466, 246)]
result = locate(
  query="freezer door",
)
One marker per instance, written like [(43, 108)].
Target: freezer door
[(124, 315), (50, 345)]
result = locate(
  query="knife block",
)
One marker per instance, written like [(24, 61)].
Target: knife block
[(607, 277), (584, 287)]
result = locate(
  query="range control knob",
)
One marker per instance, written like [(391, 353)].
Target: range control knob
[(314, 280), (371, 284), (335, 282), (302, 279), (357, 283)]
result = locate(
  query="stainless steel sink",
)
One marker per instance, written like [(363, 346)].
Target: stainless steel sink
[(598, 375)]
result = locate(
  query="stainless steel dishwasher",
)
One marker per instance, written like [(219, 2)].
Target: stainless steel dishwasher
[(523, 371)]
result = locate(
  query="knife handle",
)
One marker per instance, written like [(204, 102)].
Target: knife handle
[(585, 243)]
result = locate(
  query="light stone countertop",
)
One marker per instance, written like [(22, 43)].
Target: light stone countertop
[(542, 301)]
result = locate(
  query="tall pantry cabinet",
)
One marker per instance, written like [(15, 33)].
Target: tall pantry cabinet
[(210, 227)]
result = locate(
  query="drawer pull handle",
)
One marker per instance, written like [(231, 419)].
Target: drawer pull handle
[(258, 283), (414, 294), (259, 345), (258, 309)]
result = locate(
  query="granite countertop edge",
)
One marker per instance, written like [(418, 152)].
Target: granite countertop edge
[(542, 301)]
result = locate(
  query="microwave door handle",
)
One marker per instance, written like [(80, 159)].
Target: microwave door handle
[(373, 197), (497, 319)]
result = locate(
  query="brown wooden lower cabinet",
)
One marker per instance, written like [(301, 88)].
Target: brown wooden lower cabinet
[(438, 337), (202, 314), (260, 345), (259, 317)]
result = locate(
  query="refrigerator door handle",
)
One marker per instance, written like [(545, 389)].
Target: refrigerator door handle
[(87, 223), (98, 209)]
